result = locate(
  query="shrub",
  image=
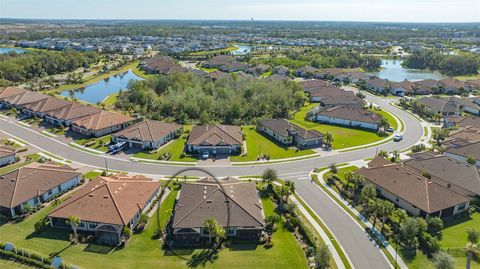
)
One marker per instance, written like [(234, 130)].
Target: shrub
[(428, 244), (41, 225)]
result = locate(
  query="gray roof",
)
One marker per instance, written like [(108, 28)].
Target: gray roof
[(438, 104), (148, 130), (235, 204), (470, 149), (354, 114), (215, 135), (285, 128)]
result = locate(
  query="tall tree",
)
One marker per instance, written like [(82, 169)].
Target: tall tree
[(74, 221)]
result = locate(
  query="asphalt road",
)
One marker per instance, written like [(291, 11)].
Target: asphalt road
[(359, 249)]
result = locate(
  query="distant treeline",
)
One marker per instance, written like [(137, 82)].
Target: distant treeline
[(451, 65), (16, 68), (323, 58), (187, 98)]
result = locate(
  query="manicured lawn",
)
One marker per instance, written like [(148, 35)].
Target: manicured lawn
[(388, 116), (141, 251), (343, 137), (175, 147), (259, 144), (137, 71), (9, 264), (8, 168), (99, 142), (110, 100), (92, 175)]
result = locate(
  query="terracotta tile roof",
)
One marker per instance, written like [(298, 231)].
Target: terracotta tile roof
[(205, 199), (9, 92), (406, 85), (451, 82), (285, 128), (354, 114), (412, 187), (101, 120), (6, 151), (426, 83), (148, 130), (308, 85), (49, 104), (215, 135), (21, 185), (378, 82), (73, 111), (112, 200), (470, 133)]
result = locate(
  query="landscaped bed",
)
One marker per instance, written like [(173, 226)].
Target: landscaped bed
[(344, 137), (258, 144), (174, 149), (95, 143)]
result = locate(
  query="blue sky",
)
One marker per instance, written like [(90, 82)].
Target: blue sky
[(321, 10)]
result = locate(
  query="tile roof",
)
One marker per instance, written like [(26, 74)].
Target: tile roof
[(148, 130), (10, 92), (438, 104), (215, 135), (73, 111), (101, 120), (354, 114), (286, 128), (112, 200), (470, 149), (235, 204), (21, 185)]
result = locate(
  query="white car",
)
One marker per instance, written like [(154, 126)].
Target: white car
[(397, 137), (205, 154)]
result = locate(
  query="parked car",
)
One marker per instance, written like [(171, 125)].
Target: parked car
[(397, 137), (205, 154), (119, 147), (390, 130)]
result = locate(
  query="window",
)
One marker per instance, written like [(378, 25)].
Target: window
[(462, 206), (231, 231), (49, 192), (397, 200)]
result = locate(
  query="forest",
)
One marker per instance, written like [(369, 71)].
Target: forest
[(16, 67), (322, 58), (188, 99), (451, 65)]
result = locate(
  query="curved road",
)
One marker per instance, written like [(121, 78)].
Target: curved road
[(352, 238)]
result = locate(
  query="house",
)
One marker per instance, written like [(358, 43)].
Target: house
[(378, 85), (280, 70), (466, 104), (106, 205), (225, 63), (33, 185), (402, 88), (42, 107), (461, 121), (426, 86), (160, 65), (234, 204), (464, 152), (314, 84), (469, 134), (7, 155), (101, 123), (65, 115), (215, 75), (357, 76), (258, 70), (290, 134), (306, 72), (451, 173), (346, 99), (8, 94), (346, 116), (216, 139), (450, 85), (28, 97), (412, 191), (331, 74), (439, 106), (148, 134), (473, 84)]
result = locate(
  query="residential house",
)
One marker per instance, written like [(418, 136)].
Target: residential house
[(65, 115), (215, 75), (288, 133), (33, 185), (148, 134), (466, 104), (225, 63), (8, 94), (473, 84), (402, 88), (439, 106), (426, 86), (379, 85), (346, 116), (101, 123), (106, 205), (450, 85), (216, 139), (160, 65), (346, 99), (7, 155), (42, 107), (470, 134), (306, 72), (311, 85), (357, 76), (234, 204), (461, 121), (280, 70), (464, 152), (412, 191), (258, 70)]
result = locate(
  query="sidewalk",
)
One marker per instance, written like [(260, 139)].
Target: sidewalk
[(385, 243)]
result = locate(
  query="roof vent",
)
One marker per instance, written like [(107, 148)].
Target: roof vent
[(90, 195), (105, 197), (209, 201)]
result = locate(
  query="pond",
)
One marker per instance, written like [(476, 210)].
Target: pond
[(241, 49), (394, 71), (100, 90), (7, 50)]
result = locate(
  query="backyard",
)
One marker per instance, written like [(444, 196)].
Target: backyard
[(259, 144), (342, 135), (141, 251)]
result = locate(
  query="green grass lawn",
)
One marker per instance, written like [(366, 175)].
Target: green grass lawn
[(10, 264), (175, 147), (99, 142), (344, 137), (388, 116), (141, 251), (110, 100), (258, 143), (9, 143), (92, 175), (11, 167)]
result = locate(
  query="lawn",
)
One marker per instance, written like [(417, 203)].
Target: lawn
[(92, 175), (388, 116), (259, 144), (99, 144), (343, 137), (175, 147), (10, 264), (141, 251), (110, 101), (11, 167)]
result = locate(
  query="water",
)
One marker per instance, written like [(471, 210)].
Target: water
[(393, 71), (242, 49), (7, 50), (98, 91)]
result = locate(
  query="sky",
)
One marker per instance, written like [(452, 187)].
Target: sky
[(316, 10)]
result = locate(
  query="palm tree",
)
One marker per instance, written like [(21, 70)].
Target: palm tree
[(471, 249), (328, 139), (268, 176), (74, 221), (211, 226), (383, 124), (396, 155)]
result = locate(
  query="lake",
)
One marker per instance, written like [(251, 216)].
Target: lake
[(7, 50), (100, 90), (242, 49), (394, 71)]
